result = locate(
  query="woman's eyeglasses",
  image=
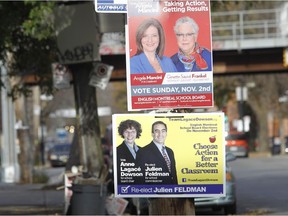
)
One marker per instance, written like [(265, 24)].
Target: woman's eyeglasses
[(187, 35)]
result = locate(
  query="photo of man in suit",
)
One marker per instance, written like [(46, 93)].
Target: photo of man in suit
[(156, 160), (129, 130)]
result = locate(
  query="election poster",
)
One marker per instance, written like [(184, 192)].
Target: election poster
[(169, 155), (169, 54)]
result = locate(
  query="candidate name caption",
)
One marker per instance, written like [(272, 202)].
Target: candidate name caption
[(128, 171), (152, 6)]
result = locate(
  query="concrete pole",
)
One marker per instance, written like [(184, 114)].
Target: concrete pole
[(9, 159)]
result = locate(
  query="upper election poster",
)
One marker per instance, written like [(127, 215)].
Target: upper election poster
[(169, 155), (169, 64)]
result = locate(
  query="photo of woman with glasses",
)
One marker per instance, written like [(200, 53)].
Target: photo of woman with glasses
[(149, 57), (190, 56)]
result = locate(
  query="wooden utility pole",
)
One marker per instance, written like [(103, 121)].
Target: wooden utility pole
[(89, 138), (172, 206)]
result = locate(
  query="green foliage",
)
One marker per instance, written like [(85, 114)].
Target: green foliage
[(39, 24), (28, 43)]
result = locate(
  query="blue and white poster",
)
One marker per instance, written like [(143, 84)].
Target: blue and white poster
[(111, 6)]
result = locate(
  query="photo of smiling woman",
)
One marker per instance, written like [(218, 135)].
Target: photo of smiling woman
[(129, 130), (190, 56), (149, 58)]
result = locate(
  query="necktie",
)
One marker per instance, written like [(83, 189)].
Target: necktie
[(134, 148), (134, 151), (166, 158)]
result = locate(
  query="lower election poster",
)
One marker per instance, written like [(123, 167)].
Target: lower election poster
[(169, 155)]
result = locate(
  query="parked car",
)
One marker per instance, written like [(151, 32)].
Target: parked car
[(59, 154), (228, 203), (237, 143)]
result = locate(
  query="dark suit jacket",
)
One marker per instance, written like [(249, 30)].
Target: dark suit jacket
[(124, 154), (150, 154)]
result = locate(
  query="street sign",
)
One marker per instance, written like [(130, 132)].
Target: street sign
[(100, 75), (61, 76), (78, 40), (111, 6)]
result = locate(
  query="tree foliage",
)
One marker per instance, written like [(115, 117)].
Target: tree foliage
[(27, 49), (28, 43)]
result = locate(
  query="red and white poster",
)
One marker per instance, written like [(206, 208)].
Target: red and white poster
[(169, 54)]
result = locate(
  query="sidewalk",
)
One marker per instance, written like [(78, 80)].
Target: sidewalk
[(259, 154), (30, 199)]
